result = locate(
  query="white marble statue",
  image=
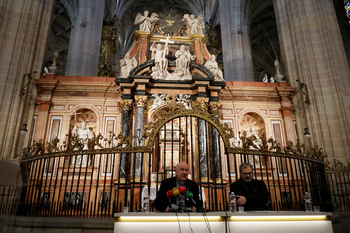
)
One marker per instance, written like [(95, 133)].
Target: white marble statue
[(257, 141), (213, 66), (145, 21), (159, 71), (158, 101), (84, 134), (126, 65), (265, 79), (196, 24), (185, 100), (183, 59)]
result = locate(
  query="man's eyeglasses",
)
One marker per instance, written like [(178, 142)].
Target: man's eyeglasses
[(247, 173)]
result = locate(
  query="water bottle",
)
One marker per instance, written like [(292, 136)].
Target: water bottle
[(233, 207), (146, 204), (308, 204)]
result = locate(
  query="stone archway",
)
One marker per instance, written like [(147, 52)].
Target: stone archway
[(84, 115), (251, 119)]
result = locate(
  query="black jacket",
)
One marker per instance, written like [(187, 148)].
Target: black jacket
[(162, 202), (255, 192)]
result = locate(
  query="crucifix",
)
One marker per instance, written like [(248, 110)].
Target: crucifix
[(166, 49), (75, 115)]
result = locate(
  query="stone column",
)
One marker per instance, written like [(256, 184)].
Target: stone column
[(23, 32), (140, 123), (84, 45), (214, 108), (238, 63), (203, 153), (202, 144), (127, 106), (312, 51)]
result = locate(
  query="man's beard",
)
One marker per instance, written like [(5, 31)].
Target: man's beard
[(247, 179)]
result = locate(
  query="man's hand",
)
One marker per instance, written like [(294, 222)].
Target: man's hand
[(169, 209), (242, 200)]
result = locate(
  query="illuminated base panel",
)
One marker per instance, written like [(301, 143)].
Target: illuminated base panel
[(220, 222)]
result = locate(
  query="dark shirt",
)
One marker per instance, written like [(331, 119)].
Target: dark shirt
[(162, 201), (255, 192)]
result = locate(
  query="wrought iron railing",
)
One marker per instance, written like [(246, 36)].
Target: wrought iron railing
[(338, 179), (113, 173), (87, 183)]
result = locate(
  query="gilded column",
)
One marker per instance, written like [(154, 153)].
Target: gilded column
[(214, 109)]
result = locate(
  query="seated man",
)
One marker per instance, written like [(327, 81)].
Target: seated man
[(250, 193), (181, 179)]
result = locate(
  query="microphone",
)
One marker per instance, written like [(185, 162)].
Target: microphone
[(176, 192), (169, 195), (182, 190), (190, 197)]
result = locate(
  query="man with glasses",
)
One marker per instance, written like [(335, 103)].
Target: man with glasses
[(250, 193)]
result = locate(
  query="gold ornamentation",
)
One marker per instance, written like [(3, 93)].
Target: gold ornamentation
[(95, 141), (174, 110), (53, 145), (275, 145), (124, 140), (214, 108), (170, 99), (337, 167), (127, 105), (290, 148), (141, 101), (170, 23)]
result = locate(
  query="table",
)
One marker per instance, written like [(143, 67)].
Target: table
[(220, 222)]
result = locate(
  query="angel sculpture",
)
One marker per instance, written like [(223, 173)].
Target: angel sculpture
[(145, 21), (159, 99), (196, 24)]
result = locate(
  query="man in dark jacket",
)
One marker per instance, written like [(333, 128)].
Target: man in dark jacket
[(250, 193), (181, 179)]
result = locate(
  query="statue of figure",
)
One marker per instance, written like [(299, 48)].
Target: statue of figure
[(84, 134), (183, 58), (196, 24), (160, 62), (185, 100), (159, 100), (257, 141), (145, 21), (265, 79), (126, 65), (272, 80), (212, 65)]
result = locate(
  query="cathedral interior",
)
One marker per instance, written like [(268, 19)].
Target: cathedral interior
[(101, 99)]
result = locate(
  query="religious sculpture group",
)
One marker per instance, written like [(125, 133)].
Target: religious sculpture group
[(160, 50)]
